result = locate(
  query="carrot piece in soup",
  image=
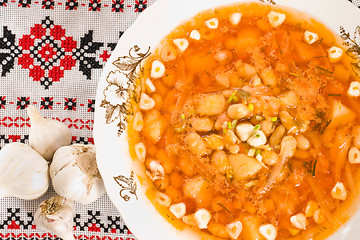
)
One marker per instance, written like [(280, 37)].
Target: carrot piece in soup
[(248, 37), (200, 62)]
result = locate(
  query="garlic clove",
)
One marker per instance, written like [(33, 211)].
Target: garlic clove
[(56, 215), (138, 123), (310, 37), (163, 199), (235, 18), (146, 102), (75, 174), (157, 69), (202, 218), (335, 54), (234, 229), (195, 34), (178, 209), (212, 23), (140, 151), (23, 172), (181, 43), (47, 135), (276, 18)]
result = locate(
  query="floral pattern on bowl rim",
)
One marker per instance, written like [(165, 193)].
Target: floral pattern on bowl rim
[(119, 87)]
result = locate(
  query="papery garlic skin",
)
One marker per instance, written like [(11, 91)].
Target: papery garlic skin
[(56, 215), (47, 135), (75, 174), (23, 172)]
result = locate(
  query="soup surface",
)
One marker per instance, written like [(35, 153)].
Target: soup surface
[(248, 125)]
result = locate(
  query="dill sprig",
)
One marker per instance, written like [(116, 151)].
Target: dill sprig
[(311, 167), (320, 56), (323, 124), (325, 70), (224, 207), (320, 41)]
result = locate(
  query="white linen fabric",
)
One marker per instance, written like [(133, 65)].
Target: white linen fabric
[(51, 56)]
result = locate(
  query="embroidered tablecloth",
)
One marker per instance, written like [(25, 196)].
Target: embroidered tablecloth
[(51, 56)]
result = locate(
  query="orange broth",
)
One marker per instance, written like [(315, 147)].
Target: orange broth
[(291, 90)]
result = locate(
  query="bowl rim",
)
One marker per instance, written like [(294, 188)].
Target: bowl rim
[(105, 135)]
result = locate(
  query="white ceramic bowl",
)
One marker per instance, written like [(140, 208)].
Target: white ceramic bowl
[(114, 161)]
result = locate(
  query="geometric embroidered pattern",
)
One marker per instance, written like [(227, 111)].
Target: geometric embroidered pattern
[(51, 56), (49, 236), (73, 5), (47, 103), (140, 5), (13, 138), (5, 139), (47, 52), (82, 140), (93, 223), (20, 122)]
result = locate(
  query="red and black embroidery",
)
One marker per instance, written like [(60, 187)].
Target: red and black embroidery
[(86, 54), (91, 105), (5, 139), (47, 52), (22, 102), (11, 51), (117, 6), (93, 223), (46, 103), (94, 5), (48, 4), (2, 102), (71, 5), (82, 140), (105, 55), (13, 138), (21, 122), (3, 3), (14, 221), (70, 104), (24, 3), (140, 5)]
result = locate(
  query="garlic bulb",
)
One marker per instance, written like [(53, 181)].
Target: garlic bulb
[(47, 135), (23, 172), (56, 215), (75, 174)]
